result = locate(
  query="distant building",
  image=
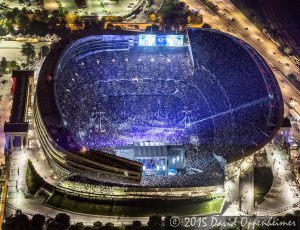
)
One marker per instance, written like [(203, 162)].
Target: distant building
[(16, 129)]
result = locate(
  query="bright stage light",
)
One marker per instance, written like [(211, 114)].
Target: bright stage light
[(160, 40), (147, 40)]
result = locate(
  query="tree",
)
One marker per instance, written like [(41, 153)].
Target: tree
[(9, 223), (44, 51), (174, 13), (109, 226), (155, 223), (87, 228), (80, 4), (51, 224), (153, 28), (62, 220), (3, 64), (77, 226), (37, 222), (97, 225), (297, 213), (38, 28), (20, 220), (195, 17), (136, 225), (206, 25), (2, 30), (213, 7), (28, 51), (11, 15), (118, 28), (22, 22), (13, 65), (152, 16)]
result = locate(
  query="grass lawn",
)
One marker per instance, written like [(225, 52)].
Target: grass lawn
[(263, 179), (196, 206)]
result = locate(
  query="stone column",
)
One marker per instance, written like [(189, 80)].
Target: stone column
[(22, 141), (11, 138)]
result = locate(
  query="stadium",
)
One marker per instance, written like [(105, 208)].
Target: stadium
[(153, 111)]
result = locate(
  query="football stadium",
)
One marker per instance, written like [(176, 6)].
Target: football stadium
[(152, 112)]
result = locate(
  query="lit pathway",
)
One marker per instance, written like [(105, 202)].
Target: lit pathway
[(17, 183), (283, 191), (233, 184), (5, 106), (247, 191)]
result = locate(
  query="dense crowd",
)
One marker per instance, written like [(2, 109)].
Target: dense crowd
[(251, 91), (204, 171), (139, 94), (85, 186), (224, 97), (218, 94)]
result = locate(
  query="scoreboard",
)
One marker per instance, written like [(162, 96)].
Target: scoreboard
[(160, 40)]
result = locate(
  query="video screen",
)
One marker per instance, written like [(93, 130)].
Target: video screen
[(174, 40), (160, 40), (147, 40)]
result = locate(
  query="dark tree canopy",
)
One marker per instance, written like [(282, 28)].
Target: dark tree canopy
[(62, 220), (37, 222), (155, 222), (28, 51)]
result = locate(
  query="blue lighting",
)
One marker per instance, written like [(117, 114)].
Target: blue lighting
[(160, 40), (147, 40), (162, 91)]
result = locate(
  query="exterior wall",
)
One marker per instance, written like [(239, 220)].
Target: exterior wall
[(69, 162)]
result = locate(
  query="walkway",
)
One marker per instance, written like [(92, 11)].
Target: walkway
[(247, 191), (283, 192)]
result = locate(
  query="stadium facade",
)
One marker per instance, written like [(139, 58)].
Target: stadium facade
[(145, 110)]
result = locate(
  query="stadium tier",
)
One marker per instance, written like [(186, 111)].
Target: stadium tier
[(174, 108)]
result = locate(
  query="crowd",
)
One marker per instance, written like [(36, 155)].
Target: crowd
[(86, 186), (220, 93), (251, 105), (201, 169), (144, 93)]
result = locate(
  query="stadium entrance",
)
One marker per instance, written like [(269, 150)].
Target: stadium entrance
[(158, 158)]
